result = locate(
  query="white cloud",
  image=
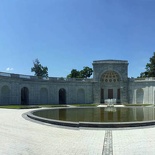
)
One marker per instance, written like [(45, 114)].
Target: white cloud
[(9, 69)]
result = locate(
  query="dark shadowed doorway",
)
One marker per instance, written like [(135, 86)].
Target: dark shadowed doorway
[(62, 96), (24, 96)]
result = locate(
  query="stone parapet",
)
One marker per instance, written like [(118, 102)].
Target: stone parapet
[(29, 77), (110, 61)]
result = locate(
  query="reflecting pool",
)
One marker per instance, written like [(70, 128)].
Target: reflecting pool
[(98, 114)]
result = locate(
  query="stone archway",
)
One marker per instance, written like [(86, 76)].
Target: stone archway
[(110, 86), (24, 96), (62, 96)]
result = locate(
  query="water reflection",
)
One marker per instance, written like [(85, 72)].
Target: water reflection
[(99, 114)]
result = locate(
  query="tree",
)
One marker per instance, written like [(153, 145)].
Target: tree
[(39, 70), (150, 68), (74, 74), (85, 73)]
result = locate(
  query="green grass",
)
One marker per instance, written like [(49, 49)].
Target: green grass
[(40, 106), (82, 105), (19, 106), (59, 105), (65, 105), (52, 105), (137, 104), (29, 106)]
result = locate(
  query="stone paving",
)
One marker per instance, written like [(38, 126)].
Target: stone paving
[(19, 136)]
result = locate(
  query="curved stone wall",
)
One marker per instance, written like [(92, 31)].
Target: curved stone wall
[(110, 80), (22, 89)]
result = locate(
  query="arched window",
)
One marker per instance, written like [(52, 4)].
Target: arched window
[(43, 96), (62, 96), (139, 95), (24, 96), (5, 92), (109, 77), (80, 96)]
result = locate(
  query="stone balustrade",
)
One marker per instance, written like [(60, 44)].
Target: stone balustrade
[(3, 74)]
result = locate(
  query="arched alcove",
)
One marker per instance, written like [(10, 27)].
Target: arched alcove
[(110, 86), (24, 96), (5, 95), (80, 96), (43, 96), (62, 96), (139, 95)]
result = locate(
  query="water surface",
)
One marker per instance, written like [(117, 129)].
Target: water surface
[(99, 114)]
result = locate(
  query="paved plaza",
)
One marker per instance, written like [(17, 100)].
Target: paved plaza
[(20, 136)]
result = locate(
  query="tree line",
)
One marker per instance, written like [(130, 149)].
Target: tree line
[(149, 69), (86, 72), (42, 72)]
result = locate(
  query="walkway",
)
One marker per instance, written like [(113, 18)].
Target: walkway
[(19, 136)]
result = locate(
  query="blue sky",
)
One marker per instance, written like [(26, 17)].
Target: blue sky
[(71, 34)]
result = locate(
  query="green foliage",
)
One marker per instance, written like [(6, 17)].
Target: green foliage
[(150, 68), (74, 74), (39, 70), (85, 73)]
